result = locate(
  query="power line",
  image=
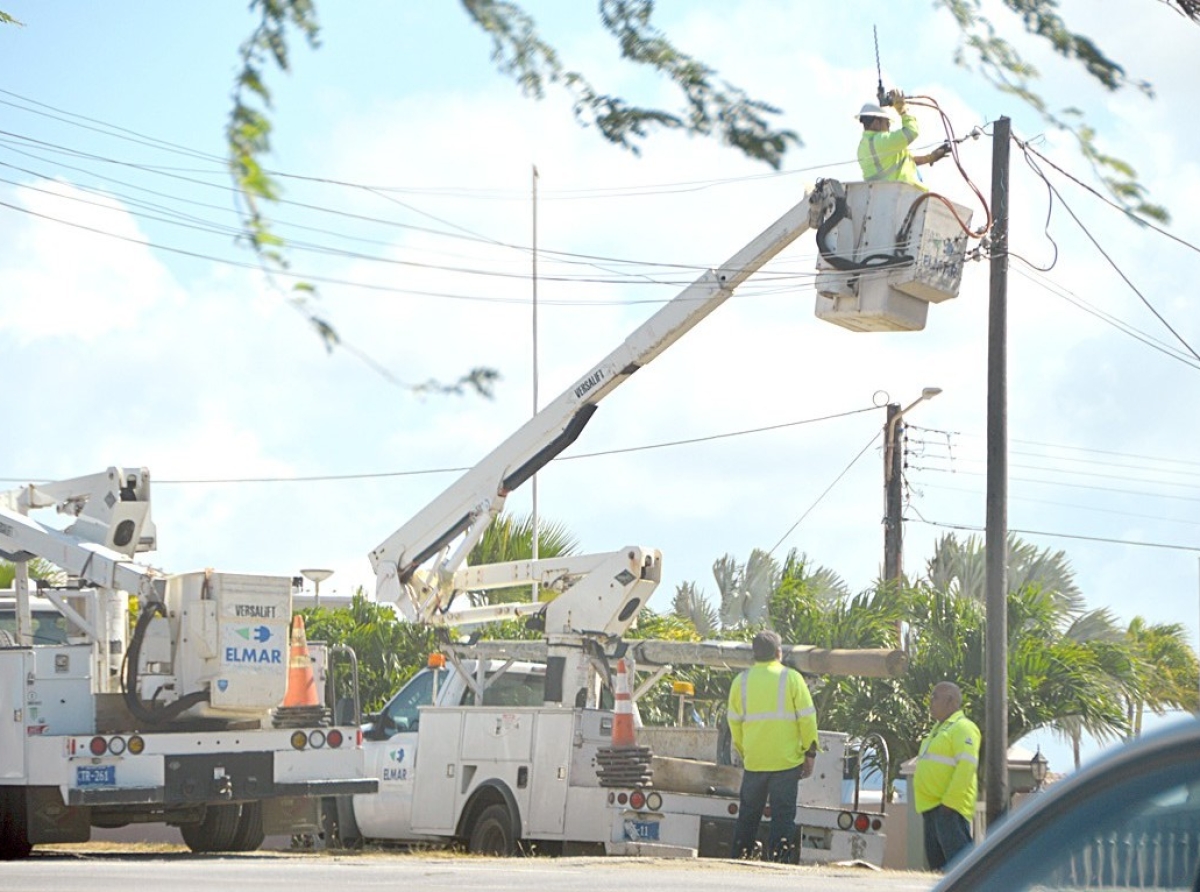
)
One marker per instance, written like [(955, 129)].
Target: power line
[(318, 478), (1110, 260), (1089, 508), (970, 528), (826, 492)]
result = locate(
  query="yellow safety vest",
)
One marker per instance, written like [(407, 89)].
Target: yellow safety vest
[(771, 717), (947, 765), (884, 157)]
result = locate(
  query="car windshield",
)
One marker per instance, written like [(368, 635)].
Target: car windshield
[(403, 709), (1134, 829)]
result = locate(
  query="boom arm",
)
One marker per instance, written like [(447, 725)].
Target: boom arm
[(468, 505), (112, 511)]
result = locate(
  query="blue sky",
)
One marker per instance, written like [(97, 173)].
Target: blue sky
[(138, 332)]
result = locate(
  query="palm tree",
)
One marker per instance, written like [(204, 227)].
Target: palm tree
[(1089, 638), (745, 588), (1166, 670), (510, 538), (690, 604), (38, 569), (961, 568)]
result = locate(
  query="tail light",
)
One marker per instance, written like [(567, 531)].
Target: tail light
[(637, 799), (334, 738), (862, 823)]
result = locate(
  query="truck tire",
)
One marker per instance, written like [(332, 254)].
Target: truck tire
[(492, 833), (14, 835), (249, 835), (216, 832)]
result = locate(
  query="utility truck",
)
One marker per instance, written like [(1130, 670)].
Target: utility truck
[(178, 718), (468, 751), (510, 745)]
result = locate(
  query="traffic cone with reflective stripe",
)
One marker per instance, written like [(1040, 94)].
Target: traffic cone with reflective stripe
[(624, 764), (622, 732), (301, 686)]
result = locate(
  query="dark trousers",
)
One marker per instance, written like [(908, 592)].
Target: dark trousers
[(946, 834), (781, 789)]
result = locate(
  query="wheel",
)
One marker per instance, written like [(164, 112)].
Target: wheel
[(14, 837), (216, 832), (493, 833), (249, 835)]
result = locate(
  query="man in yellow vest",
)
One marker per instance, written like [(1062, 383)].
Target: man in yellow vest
[(945, 784), (883, 153), (774, 728)]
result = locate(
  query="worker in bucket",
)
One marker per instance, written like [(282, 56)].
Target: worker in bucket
[(774, 728), (883, 153)]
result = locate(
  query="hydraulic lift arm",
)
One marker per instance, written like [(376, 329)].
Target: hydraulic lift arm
[(414, 566)]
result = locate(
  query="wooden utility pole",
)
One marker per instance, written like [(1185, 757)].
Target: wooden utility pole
[(995, 729), (893, 497)]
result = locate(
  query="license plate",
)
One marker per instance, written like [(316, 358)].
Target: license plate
[(95, 775), (641, 830)]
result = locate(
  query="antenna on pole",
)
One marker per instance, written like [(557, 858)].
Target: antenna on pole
[(880, 93)]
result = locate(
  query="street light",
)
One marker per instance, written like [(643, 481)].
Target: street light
[(316, 577), (893, 533), (1038, 767)]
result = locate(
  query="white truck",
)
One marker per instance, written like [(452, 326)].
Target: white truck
[(179, 718), (468, 752), (500, 774)]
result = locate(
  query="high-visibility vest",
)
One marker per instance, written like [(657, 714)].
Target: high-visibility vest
[(947, 767), (884, 157), (771, 717)]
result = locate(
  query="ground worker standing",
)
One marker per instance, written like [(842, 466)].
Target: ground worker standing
[(774, 728), (883, 153), (945, 784)]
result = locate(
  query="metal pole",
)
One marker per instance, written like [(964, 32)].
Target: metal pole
[(534, 482), (893, 529), (995, 730)]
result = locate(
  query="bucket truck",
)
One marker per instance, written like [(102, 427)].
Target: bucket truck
[(508, 739), (177, 719)]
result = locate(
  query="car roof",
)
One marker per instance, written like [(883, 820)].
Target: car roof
[(1111, 776)]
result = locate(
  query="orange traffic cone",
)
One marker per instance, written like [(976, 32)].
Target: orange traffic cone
[(622, 733), (301, 686)]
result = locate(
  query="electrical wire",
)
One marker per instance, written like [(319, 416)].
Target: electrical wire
[(826, 492), (930, 102), (1026, 147), (376, 475), (1124, 327), (970, 528), (1113, 263)]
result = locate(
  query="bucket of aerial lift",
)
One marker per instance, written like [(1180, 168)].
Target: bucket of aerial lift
[(886, 253)]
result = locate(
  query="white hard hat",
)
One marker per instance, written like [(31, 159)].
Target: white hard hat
[(871, 110)]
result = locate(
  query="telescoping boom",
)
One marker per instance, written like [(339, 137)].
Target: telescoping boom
[(415, 566)]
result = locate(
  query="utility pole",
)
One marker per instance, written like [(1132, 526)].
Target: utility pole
[(893, 497), (995, 729), (893, 485)]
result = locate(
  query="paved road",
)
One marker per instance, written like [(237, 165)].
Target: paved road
[(86, 869)]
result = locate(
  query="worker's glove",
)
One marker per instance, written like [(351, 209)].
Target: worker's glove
[(940, 152), (806, 769), (895, 98)]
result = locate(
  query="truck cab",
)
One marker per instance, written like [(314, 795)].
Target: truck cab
[(393, 739)]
